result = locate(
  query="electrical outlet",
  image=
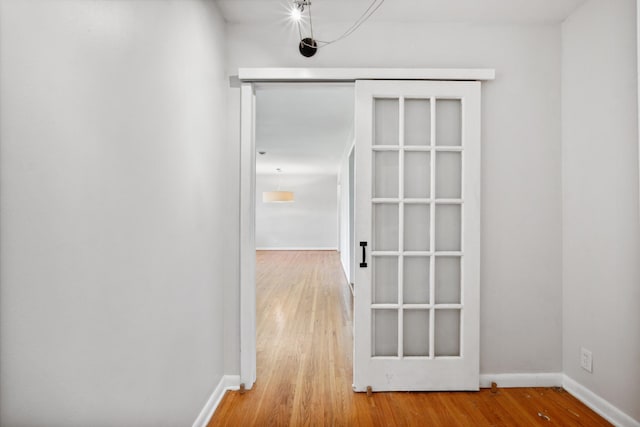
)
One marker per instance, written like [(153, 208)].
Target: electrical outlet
[(586, 360)]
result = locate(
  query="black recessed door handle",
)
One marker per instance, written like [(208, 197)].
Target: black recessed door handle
[(363, 264)]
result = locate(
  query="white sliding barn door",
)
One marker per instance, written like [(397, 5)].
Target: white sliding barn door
[(417, 299)]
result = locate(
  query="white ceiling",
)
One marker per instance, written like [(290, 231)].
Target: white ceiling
[(460, 11), (303, 128)]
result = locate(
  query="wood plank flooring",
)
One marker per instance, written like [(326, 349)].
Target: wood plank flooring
[(304, 362)]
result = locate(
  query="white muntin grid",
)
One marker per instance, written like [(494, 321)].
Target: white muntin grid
[(431, 201)]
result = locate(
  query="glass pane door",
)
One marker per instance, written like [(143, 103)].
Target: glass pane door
[(414, 151)]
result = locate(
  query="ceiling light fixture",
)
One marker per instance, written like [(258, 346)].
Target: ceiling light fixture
[(308, 46), (296, 13), (277, 196)]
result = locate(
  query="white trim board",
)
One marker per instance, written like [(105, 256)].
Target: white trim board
[(353, 74), (227, 382), (247, 236), (599, 405), (553, 379), (296, 249)]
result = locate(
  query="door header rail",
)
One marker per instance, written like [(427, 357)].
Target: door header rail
[(353, 74)]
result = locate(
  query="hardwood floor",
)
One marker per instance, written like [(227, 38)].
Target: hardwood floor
[(304, 362)]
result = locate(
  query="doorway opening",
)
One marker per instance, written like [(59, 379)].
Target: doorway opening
[(304, 245)]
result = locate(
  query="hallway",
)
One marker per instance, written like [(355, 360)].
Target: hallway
[(304, 362)]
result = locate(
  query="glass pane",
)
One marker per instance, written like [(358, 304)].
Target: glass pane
[(447, 278), (385, 171), (416, 227), (385, 230), (448, 122), (416, 280), (416, 333), (385, 332), (417, 122), (448, 220), (447, 332), (385, 280), (417, 174), (386, 121), (448, 175)]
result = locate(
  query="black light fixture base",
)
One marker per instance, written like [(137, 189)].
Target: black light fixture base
[(308, 47)]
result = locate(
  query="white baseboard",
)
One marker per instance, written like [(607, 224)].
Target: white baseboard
[(602, 407), (295, 249), (227, 382), (522, 380)]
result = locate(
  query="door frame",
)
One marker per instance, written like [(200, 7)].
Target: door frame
[(248, 77)]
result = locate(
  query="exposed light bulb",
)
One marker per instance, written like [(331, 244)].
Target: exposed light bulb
[(296, 13)]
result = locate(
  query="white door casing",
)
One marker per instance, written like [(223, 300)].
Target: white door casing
[(247, 273), (417, 304)]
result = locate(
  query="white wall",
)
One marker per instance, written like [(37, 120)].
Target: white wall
[(601, 233), (521, 208), (113, 120), (310, 222)]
